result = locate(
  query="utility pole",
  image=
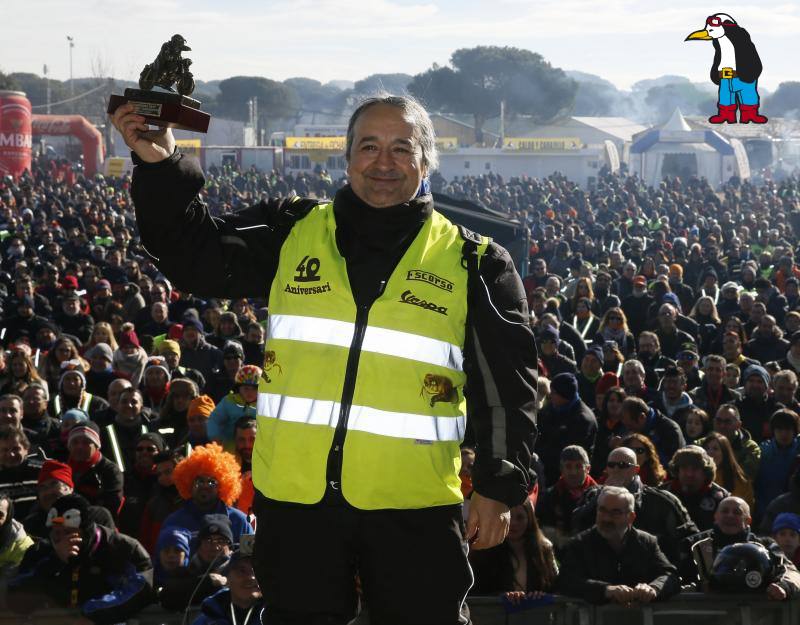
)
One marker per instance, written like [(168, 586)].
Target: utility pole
[(71, 41), (47, 83), (502, 122), (255, 119)]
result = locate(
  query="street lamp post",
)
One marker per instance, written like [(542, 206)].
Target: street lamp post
[(71, 84)]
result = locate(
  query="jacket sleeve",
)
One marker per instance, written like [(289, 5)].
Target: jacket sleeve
[(133, 587), (500, 360), (112, 498), (662, 573), (231, 256), (573, 578)]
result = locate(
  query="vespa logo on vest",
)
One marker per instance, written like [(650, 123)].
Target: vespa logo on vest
[(409, 298), (308, 271)]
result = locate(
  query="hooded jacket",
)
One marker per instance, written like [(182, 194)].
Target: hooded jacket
[(14, 542), (773, 472), (216, 610), (114, 576)]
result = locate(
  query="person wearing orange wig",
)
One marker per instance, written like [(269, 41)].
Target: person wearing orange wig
[(209, 480)]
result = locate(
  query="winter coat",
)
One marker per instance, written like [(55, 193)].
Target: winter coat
[(220, 425), (216, 610), (576, 425), (589, 565), (774, 472), (113, 579), (658, 512)]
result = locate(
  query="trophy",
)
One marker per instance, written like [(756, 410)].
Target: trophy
[(172, 108)]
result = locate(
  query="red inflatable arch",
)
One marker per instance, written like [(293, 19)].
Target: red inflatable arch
[(77, 126)]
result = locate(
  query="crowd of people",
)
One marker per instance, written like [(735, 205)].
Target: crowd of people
[(668, 330)]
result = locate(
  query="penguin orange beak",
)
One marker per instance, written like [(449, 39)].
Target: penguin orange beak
[(701, 35)]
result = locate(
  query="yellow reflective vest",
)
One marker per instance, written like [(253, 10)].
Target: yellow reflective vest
[(389, 376)]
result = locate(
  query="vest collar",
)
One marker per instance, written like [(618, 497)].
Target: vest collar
[(361, 226)]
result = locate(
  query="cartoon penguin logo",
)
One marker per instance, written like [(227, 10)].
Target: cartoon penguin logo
[(735, 69)]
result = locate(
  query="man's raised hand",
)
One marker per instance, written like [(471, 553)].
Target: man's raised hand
[(151, 146)]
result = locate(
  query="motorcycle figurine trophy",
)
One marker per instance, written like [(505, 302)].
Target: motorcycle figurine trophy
[(171, 108)]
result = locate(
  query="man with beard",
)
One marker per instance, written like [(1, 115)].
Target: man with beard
[(657, 512), (41, 429), (613, 561), (633, 381), (694, 484), (104, 574), (713, 392), (72, 321), (556, 505), (669, 335), (684, 292), (757, 404), (603, 297), (636, 305), (665, 433), (650, 356)]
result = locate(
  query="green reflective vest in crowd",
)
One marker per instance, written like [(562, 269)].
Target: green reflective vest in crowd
[(390, 376)]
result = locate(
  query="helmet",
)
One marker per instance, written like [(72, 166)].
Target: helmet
[(248, 376), (742, 567)]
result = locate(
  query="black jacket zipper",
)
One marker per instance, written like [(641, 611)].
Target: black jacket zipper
[(348, 389)]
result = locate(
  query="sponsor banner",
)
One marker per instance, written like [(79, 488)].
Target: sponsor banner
[(541, 144), (336, 144)]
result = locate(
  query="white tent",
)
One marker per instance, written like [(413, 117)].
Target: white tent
[(674, 149)]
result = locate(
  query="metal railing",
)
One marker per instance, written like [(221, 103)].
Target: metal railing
[(683, 609)]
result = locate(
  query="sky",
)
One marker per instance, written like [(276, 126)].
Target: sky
[(622, 41)]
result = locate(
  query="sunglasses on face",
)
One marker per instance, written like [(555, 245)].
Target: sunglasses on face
[(620, 465), (146, 450), (203, 481)]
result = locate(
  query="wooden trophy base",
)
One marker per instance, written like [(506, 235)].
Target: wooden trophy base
[(168, 110)]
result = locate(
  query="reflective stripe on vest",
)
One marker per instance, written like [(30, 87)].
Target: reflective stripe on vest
[(406, 416), (362, 418), (378, 340)]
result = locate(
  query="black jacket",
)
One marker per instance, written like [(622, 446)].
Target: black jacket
[(701, 505), (589, 565), (658, 512), (575, 426), (237, 256), (113, 583)]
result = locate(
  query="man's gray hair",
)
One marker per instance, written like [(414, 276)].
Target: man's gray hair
[(622, 493), (634, 364), (574, 453), (413, 113)]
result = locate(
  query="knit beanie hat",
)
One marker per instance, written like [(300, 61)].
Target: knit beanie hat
[(53, 469), (128, 339), (756, 370), (676, 268), (565, 384), (216, 525), (75, 414), (596, 351), (549, 333), (786, 520), (156, 362), (101, 349), (72, 366), (168, 346), (607, 381), (202, 405), (88, 430), (155, 438)]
